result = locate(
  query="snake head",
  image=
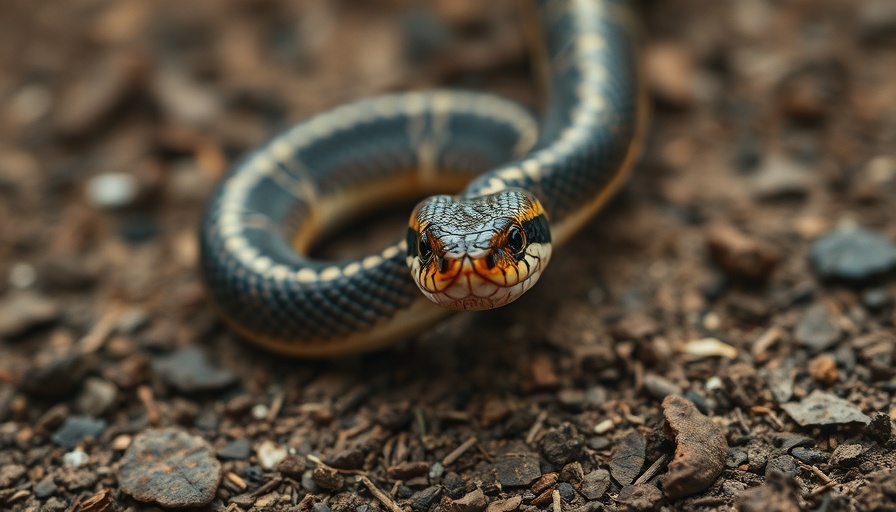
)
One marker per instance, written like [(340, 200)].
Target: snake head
[(478, 252)]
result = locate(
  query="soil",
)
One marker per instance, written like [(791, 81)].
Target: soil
[(721, 337)]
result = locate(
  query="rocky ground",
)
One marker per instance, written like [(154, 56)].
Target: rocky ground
[(721, 338)]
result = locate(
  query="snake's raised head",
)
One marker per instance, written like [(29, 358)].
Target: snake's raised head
[(479, 252)]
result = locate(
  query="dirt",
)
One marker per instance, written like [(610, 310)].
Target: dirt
[(748, 267)]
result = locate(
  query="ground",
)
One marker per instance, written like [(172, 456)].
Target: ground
[(747, 267)]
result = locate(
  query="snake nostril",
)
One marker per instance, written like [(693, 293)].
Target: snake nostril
[(443, 264), (491, 260)]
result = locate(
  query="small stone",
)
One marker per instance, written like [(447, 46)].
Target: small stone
[(171, 468), (541, 375), (820, 408), (517, 467), (640, 497), (847, 455), (474, 501), (823, 370), (741, 255), (628, 457), (572, 473), (595, 484), (660, 387), (75, 459), (10, 474), (238, 449), (96, 397), (670, 73), (327, 478), (782, 464), (270, 454), (77, 428), (562, 444), (808, 456), (320, 507), (700, 451), (112, 190), (736, 458), (292, 466), (567, 493), (423, 500), (21, 312), (352, 458), (877, 299), (54, 375), (130, 371), (46, 487), (190, 370), (853, 254), (779, 177), (509, 505), (818, 330)]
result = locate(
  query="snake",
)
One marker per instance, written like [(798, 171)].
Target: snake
[(503, 188)]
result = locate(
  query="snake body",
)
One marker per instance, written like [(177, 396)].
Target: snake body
[(266, 213)]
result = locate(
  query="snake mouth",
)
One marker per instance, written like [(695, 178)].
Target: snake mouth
[(477, 283)]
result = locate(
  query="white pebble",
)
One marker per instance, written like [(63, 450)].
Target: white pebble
[(112, 190), (260, 411), (22, 275), (270, 454), (74, 459)]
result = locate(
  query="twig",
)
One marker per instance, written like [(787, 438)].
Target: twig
[(460, 450), (536, 426), (556, 500), (270, 485), (652, 470), (380, 495), (96, 337), (817, 472), (144, 393), (276, 405)]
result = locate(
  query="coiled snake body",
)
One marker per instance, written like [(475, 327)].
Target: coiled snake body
[(529, 185)]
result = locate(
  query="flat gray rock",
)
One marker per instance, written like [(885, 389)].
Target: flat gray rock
[(170, 467), (820, 408)]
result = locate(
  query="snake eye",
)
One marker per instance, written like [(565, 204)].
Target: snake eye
[(516, 240), (424, 248)]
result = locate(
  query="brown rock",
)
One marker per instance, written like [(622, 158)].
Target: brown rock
[(700, 449), (740, 254), (824, 370)]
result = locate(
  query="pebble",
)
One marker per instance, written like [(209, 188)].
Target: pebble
[(567, 493), (877, 299), (660, 387), (595, 484), (422, 500), (818, 329), (823, 369), (46, 487), (75, 458), (22, 311), (190, 370), (77, 428), (708, 347), (670, 74), (781, 178), (96, 397), (782, 464), (474, 501), (112, 190), (808, 456), (22, 275), (171, 468), (700, 449), (327, 478), (320, 507), (291, 466), (640, 497), (628, 457), (820, 408), (853, 254), (516, 466), (10, 474), (54, 375), (239, 449), (741, 255), (847, 455), (508, 505), (562, 444), (270, 454)]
